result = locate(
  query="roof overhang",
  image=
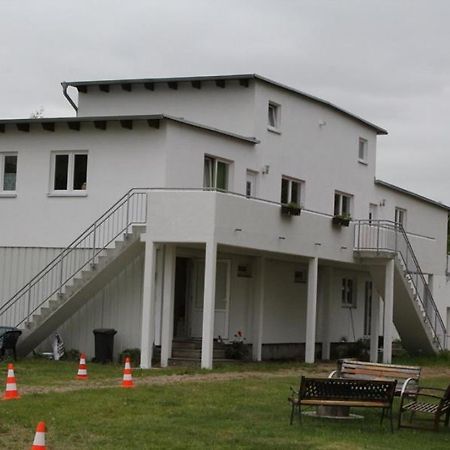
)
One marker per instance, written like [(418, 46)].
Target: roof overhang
[(412, 194), (101, 122)]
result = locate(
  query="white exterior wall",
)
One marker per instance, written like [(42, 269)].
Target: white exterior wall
[(118, 160), (326, 157), (19, 264), (229, 108)]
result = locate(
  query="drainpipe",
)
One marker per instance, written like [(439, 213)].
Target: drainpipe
[(69, 99)]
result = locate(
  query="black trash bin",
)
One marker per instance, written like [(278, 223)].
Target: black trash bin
[(104, 344)]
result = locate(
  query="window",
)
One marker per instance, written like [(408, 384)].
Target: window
[(362, 151), (291, 191), (250, 184), (342, 204), (348, 296), (69, 171), (215, 173), (8, 172), (273, 118), (400, 217), (367, 308)]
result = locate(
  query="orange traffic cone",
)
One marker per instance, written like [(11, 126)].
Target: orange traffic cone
[(11, 387), (82, 368), (127, 381), (39, 437)]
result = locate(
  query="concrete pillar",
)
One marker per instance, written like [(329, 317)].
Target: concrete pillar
[(209, 305), (328, 301), (258, 310), (374, 326), (168, 304), (388, 311), (159, 287), (311, 311), (148, 305)]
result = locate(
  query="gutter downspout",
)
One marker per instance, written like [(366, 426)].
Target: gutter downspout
[(69, 99)]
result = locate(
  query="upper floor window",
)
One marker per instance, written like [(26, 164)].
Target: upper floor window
[(348, 294), (274, 116), (400, 217), (69, 171), (363, 150), (216, 173), (291, 191), (342, 204), (8, 172)]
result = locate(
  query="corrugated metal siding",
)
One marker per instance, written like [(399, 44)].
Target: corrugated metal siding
[(19, 264), (118, 305)]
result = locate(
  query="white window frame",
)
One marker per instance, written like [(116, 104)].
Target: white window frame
[(400, 216), (70, 191), (276, 108), (339, 211), (3, 192), (212, 183), (301, 190), (364, 145), (348, 292), (251, 181)]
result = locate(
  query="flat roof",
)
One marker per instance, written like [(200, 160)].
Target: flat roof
[(125, 82), (48, 123), (411, 194)]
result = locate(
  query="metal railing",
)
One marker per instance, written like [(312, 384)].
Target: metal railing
[(384, 236), (82, 253)]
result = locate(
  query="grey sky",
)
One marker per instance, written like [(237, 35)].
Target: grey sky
[(387, 61)]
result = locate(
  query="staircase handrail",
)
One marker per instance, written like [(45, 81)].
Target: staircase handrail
[(66, 251), (397, 227)]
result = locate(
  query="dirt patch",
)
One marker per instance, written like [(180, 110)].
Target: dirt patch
[(75, 385)]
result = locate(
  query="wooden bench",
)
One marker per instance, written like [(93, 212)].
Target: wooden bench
[(344, 392), (427, 400), (407, 376)]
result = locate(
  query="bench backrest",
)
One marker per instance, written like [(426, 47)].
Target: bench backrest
[(361, 370), (355, 390)]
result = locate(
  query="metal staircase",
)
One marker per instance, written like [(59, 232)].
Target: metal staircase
[(78, 272), (416, 316)]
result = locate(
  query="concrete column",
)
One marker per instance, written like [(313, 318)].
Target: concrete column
[(159, 287), (209, 305), (258, 309), (328, 301), (374, 326), (168, 304), (148, 305), (311, 310), (388, 311)]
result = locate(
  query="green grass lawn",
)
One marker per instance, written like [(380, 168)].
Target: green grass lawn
[(249, 412)]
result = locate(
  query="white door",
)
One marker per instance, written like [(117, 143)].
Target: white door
[(221, 302)]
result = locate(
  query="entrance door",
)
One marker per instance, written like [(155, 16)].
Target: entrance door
[(222, 298)]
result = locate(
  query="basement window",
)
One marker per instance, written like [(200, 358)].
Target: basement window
[(8, 172), (69, 172)]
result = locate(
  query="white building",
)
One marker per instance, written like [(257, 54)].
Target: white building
[(159, 257)]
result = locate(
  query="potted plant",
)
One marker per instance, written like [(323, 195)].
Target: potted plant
[(290, 209), (342, 219)]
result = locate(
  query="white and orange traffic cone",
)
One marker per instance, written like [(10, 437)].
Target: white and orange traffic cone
[(127, 381), (82, 368), (11, 386), (39, 437)]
